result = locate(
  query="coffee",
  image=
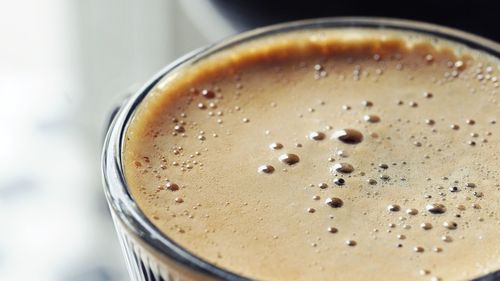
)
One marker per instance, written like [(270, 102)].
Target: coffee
[(326, 155)]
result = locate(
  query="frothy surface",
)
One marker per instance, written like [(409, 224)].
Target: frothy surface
[(333, 155)]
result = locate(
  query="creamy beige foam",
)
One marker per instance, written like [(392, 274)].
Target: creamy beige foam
[(241, 159)]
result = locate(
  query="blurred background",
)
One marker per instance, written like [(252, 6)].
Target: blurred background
[(65, 64)]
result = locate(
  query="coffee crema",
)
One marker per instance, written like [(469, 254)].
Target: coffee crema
[(353, 154)]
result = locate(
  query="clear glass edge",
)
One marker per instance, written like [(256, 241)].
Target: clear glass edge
[(115, 188)]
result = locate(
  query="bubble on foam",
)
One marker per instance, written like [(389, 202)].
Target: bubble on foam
[(367, 103), (418, 249), (343, 167), (351, 243), (334, 202), (209, 94), (317, 136), (371, 118), (339, 181), (426, 226), (478, 194), (383, 166), (323, 185), (450, 225), (342, 153), (179, 129), (428, 95), (384, 177), (349, 136), (172, 186), (437, 249), (265, 169), (446, 238), (435, 208), (393, 208), (332, 229), (430, 122), (412, 211), (289, 158), (275, 146), (470, 185)]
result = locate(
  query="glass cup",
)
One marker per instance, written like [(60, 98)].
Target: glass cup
[(151, 255)]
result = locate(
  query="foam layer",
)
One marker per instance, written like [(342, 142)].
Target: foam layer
[(346, 155)]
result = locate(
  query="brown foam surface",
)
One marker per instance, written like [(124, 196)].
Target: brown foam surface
[(427, 111)]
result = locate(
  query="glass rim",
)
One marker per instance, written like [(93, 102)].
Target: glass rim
[(115, 186)]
